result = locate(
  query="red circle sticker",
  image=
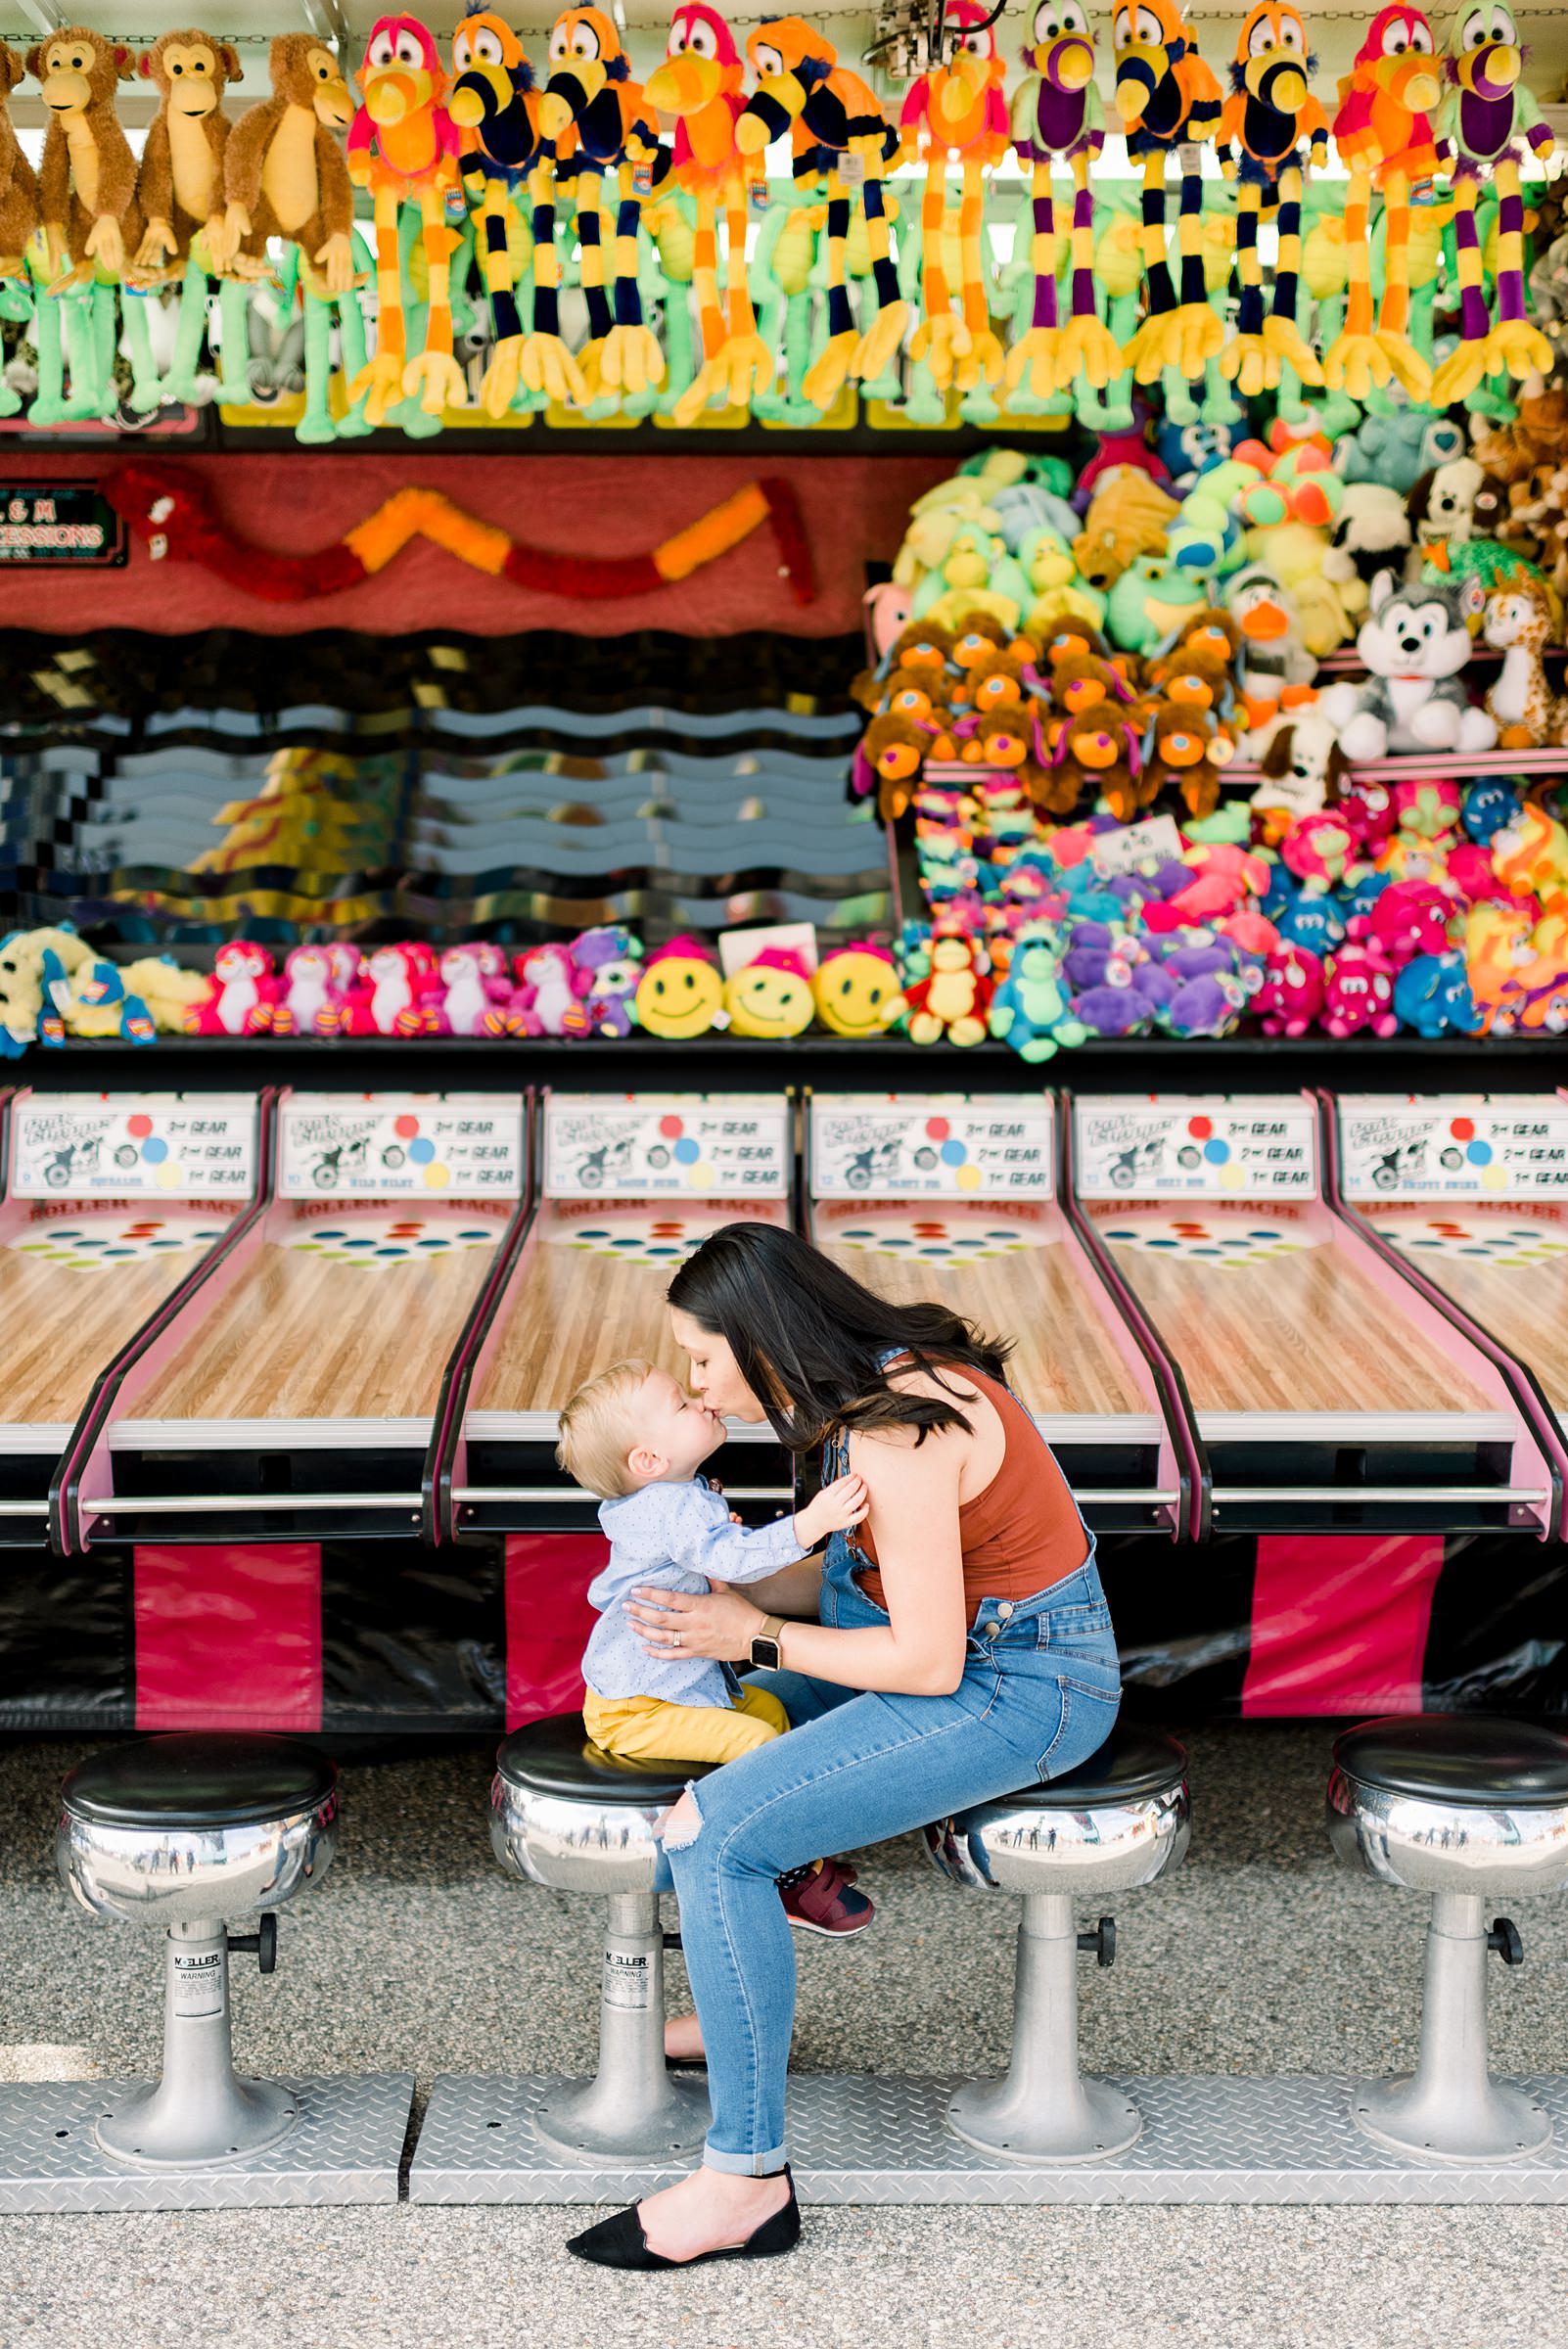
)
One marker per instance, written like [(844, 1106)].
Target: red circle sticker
[(405, 1128), (1200, 1129), (936, 1130), (140, 1125), (671, 1129), (1463, 1130)]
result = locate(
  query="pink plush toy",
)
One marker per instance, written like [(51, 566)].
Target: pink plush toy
[(1225, 879), (1292, 993), (392, 999), (243, 994), (1409, 918), (312, 1003), (1320, 850), (550, 988), (468, 996), (1431, 810), (1358, 992), (1368, 807)]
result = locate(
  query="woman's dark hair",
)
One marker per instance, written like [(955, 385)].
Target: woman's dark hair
[(809, 1340)]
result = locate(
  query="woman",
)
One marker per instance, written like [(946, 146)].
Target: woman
[(960, 1647)]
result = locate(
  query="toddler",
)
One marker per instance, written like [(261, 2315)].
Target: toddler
[(634, 1436)]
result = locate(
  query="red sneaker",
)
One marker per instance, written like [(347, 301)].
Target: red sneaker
[(821, 1898)]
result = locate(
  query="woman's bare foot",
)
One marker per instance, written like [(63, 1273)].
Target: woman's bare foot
[(683, 2039), (708, 2210)]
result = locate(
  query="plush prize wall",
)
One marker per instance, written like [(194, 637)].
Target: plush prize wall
[(853, 508)]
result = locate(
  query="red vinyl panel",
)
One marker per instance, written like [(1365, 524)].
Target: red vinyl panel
[(228, 1637), (1339, 1623), (548, 1620)]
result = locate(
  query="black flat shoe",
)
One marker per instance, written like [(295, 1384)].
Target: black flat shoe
[(620, 2243), (685, 2063)]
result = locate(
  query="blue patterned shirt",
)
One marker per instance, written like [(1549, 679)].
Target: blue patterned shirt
[(677, 1536)]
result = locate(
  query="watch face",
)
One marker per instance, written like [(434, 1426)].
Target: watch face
[(765, 1652)]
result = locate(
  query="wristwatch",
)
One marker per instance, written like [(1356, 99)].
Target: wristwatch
[(765, 1647)]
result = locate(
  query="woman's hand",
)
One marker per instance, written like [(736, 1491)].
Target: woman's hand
[(682, 1623)]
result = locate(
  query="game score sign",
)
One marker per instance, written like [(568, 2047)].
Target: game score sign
[(655, 1145), (1459, 1148), (1191, 1149), (912, 1147), (400, 1145), (134, 1146)]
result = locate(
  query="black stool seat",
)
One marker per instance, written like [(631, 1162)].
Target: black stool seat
[(558, 1756), (1131, 1765), (216, 1780), (1457, 1759)]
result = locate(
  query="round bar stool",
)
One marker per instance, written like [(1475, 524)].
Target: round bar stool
[(1469, 1810), (1122, 1819), (565, 1814), (181, 1834)]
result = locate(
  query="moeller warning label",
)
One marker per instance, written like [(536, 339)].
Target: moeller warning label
[(628, 1980), (198, 1984)]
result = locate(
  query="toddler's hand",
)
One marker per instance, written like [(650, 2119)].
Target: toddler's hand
[(836, 1507)]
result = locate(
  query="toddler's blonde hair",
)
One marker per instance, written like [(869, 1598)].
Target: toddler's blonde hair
[(597, 1431)]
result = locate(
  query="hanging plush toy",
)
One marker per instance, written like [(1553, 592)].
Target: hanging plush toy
[(88, 210), (1168, 103), (836, 127), (1487, 116), (1384, 137), (699, 84), (180, 192), (604, 135), (956, 112), (1268, 119), (19, 187), (403, 148), (498, 116), (1057, 114), (285, 177)]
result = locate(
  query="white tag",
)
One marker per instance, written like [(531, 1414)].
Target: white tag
[(628, 1980), (1123, 852), (852, 170), (866, 1147), (400, 1145), (1215, 1149), (1454, 1148), (133, 1146), (198, 1986), (600, 1147)]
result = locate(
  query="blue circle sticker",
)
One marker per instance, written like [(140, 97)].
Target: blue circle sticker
[(687, 1152), (422, 1151), (954, 1154), (155, 1150), (1479, 1154), (1217, 1152)]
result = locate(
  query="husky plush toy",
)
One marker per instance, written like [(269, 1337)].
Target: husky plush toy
[(1414, 641)]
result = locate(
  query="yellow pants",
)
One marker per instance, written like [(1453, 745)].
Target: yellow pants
[(645, 1728)]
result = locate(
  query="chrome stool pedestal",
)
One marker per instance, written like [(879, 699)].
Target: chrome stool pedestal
[(1469, 1810), (565, 1815), (1120, 1821)]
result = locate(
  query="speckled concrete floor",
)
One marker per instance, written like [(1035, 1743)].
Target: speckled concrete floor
[(1260, 1955)]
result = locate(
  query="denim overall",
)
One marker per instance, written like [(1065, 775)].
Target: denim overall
[(1038, 1696)]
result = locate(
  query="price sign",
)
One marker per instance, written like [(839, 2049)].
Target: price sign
[(600, 1146), (892, 1146), (1219, 1149), (400, 1145), (133, 1146), (1133, 844), (1471, 1148)]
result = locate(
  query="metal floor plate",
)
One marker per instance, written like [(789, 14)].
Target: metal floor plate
[(348, 2147), (1219, 2140)]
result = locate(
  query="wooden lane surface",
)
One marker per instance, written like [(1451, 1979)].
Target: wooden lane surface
[(63, 1326), (1296, 1332), (304, 1337), (1524, 1308), (1063, 1361), (570, 1311)]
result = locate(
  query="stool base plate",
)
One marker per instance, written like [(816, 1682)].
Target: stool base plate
[(1508, 2127), (345, 2146), (886, 2141)]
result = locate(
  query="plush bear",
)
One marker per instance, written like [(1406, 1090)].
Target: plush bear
[(1414, 642), (1409, 918), (1358, 993), (1184, 750), (1396, 448), (1029, 1009), (1292, 994)]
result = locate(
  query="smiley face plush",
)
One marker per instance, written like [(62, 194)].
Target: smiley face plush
[(680, 993), (853, 989), (771, 996)]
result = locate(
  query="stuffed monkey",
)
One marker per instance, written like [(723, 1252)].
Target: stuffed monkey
[(88, 212), (180, 190), (19, 185)]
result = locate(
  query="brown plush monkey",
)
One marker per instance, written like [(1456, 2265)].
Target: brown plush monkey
[(180, 187), (87, 186), (19, 184), (283, 171)]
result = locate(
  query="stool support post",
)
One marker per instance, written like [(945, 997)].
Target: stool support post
[(1451, 2108), (631, 2108), (1045, 2110), (199, 2113)]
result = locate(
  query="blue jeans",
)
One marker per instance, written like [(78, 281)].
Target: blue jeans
[(1038, 1696)]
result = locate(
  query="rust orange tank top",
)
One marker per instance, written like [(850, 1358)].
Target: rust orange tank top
[(1019, 1536)]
